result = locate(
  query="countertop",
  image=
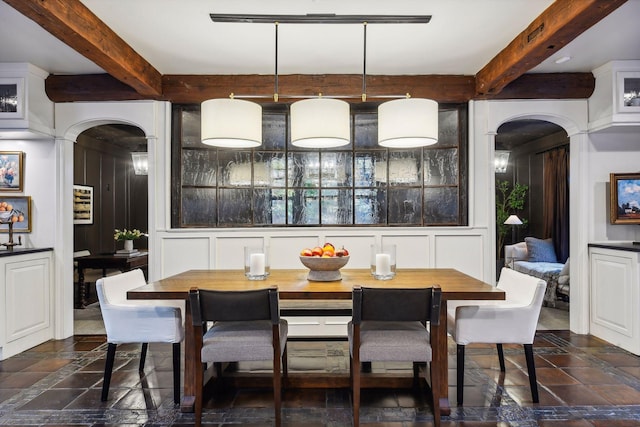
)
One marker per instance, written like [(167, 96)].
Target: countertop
[(21, 251), (621, 246)]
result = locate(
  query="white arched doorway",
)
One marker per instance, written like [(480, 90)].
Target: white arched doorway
[(572, 116), (152, 118)]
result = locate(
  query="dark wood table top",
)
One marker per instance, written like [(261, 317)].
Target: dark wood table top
[(293, 284)]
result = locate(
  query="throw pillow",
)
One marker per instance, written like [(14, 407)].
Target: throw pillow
[(540, 250)]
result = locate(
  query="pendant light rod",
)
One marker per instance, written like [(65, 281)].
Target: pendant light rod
[(358, 96), (275, 94), (364, 63), (320, 18)]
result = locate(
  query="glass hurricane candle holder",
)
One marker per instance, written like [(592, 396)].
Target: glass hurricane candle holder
[(256, 262), (383, 261)]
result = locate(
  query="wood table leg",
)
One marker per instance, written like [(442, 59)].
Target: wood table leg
[(189, 394), (82, 289), (441, 359)]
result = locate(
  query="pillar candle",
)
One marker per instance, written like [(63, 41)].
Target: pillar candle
[(256, 264), (383, 264)]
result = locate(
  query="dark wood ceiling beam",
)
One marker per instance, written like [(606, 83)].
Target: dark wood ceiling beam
[(547, 86), (192, 89), (558, 25), (74, 24)]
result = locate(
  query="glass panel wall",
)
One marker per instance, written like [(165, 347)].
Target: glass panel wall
[(278, 184)]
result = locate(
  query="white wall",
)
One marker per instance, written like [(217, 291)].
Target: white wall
[(610, 152), (39, 183)]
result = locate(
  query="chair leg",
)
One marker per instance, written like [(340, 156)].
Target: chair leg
[(143, 356), (435, 393), (531, 369), (277, 389), (500, 357), (176, 373), (285, 363), (108, 368), (356, 393), (197, 406), (460, 373)]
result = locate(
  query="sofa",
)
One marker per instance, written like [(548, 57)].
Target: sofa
[(536, 257)]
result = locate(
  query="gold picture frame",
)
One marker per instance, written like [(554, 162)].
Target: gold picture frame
[(18, 206), (625, 198), (11, 171)]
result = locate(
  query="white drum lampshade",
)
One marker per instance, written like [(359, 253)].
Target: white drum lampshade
[(408, 123), (231, 123), (320, 123)]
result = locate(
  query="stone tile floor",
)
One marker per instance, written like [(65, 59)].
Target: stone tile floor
[(584, 382)]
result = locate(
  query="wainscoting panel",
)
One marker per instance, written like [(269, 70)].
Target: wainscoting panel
[(185, 253), (462, 252)]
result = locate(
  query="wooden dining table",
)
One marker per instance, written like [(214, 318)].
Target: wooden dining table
[(293, 285)]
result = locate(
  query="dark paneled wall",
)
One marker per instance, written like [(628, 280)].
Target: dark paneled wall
[(528, 161), (120, 196)]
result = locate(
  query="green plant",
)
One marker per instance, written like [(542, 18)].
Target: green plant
[(509, 201), (120, 235)]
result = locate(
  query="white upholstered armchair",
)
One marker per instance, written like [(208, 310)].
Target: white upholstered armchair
[(512, 321), (143, 321)]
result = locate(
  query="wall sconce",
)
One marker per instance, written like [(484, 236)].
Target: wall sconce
[(140, 163), (501, 161)]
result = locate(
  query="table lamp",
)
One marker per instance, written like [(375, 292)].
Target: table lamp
[(513, 220)]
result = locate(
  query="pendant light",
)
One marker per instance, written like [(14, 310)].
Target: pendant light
[(320, 123), (408, 123), (231, 123)]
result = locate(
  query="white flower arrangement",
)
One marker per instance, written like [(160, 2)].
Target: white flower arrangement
[(120, 235)]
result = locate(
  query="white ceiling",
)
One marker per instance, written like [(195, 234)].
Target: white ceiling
[(178, 37)]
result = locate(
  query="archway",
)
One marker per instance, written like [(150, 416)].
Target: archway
[(103, 165), (538, 161)]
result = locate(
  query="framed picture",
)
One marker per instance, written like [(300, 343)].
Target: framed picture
[(18, 210), (11, 171), (82, 204), (625, 198), (11, 98)]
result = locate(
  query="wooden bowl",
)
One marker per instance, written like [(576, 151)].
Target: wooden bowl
[(324, 269)]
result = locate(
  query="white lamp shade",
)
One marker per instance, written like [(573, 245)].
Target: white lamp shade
[(231, 123), (320, 123), (513, 220), (408, 123)]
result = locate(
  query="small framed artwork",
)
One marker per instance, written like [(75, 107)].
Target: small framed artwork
[(82, 204), (11, 98), (625, 198), (11, 170), (16, 209)]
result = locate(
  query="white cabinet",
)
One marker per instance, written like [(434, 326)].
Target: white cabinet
[(26, 302), (615, 297), (615, 102), (31, 114)]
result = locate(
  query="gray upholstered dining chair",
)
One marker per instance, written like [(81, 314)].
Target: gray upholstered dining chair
[(389, 324), (245, 326), (512, 321), (138, 321)]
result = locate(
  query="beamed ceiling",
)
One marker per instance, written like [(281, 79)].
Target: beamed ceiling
[(500, 52)]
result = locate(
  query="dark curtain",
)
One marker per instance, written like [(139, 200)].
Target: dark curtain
[(556, 200)]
